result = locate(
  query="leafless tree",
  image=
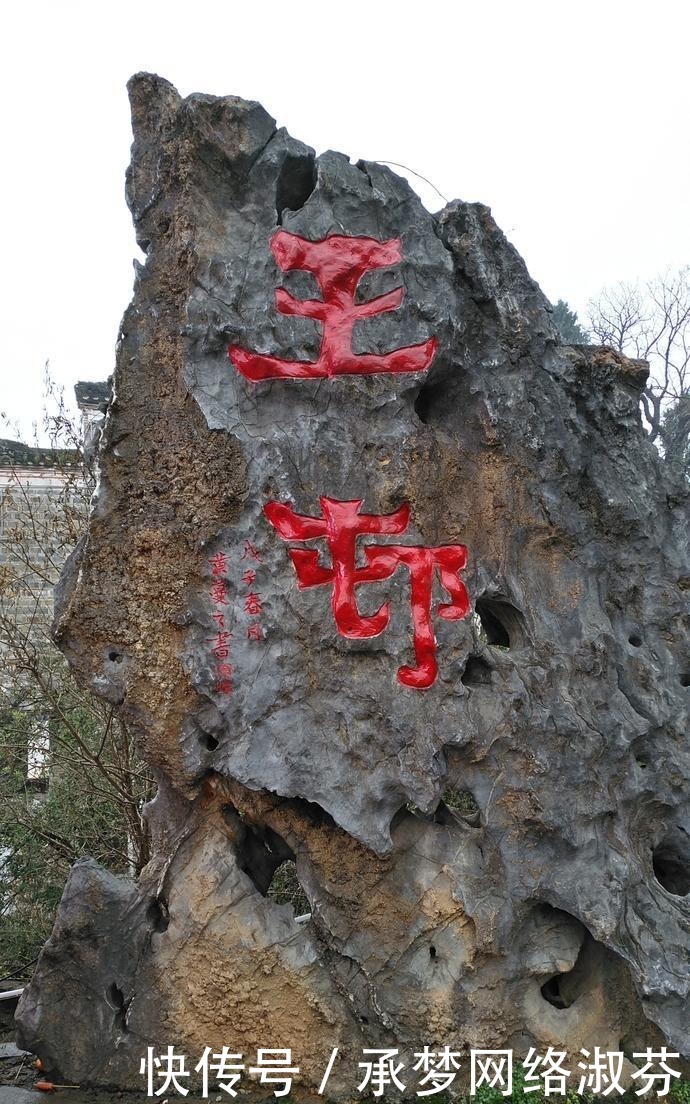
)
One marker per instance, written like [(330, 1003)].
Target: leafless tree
[(652, 322)]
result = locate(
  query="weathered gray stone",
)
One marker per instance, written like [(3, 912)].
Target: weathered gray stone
[(557, 913)]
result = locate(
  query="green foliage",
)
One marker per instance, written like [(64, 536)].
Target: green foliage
[(572, 333), (285, 888), (45, 828), (680, 1092), (460, 800)]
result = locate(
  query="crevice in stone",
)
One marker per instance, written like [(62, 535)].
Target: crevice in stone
[(115, 996), (362, 166), (642, 751), (116, 999), (259, 154), (500, 623), (551, 992), (430, 394), (561, 991), (157, 914), (671, 862), (296, 182), (477, 672)]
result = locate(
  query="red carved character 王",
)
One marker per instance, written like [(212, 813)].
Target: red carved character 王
[(337, 263)]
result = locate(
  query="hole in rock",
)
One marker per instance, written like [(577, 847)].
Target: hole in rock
[(456, 805), (295, 184), (461, 801), (643, 748), (477, 672), (115, 996), (208, 741), (551, 992), (685, 678), (157, 914), (635, 639), (285, 888), (260, 851), (432, 952), (426, 400), (115, 657), (500, 623), (562, 990), (116, 999), (671, 862), (270, 863)]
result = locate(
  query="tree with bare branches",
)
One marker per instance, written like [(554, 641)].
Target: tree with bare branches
[(71, 783), (652, 322)]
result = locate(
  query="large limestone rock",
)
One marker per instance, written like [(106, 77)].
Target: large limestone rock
[(495, 855)]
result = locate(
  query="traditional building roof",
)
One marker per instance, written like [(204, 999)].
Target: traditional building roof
[(91, 399), (16, 454), (93, 396)]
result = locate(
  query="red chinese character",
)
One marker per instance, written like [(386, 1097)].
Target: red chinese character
[(221, 649), (224, 669), (341, 525), (252, 604), (219, 619), (338, 263), (254, 631), (219, 563), (219, 592), (250, 551), (249, 577), (223, 686)]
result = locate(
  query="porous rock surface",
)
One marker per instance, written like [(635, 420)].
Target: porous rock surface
[(500, 860)]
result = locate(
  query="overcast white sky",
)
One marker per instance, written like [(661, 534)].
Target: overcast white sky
[(571, 120)]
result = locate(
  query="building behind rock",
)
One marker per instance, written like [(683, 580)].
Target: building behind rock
[(32, 483), (44, 493)]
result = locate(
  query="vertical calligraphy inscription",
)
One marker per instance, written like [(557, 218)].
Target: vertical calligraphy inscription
[(341, 524), (337, 263), (253, 603), (223, 669)]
